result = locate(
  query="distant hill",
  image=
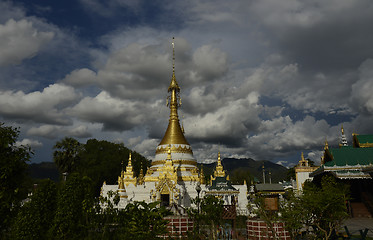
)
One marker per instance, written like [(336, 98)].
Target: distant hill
[(278, 172), (44, 170)]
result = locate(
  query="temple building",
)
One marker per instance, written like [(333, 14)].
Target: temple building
[(174, 178), (303, 171), (351, 165)]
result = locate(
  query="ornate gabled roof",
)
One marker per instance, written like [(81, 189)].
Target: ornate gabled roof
[(362, 141), (221, 184), (350, 157)]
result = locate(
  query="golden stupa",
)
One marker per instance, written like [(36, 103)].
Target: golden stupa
[(174, 141)]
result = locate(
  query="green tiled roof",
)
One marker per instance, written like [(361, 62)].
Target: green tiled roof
[(350, 156), (365, 138), (221, 183)]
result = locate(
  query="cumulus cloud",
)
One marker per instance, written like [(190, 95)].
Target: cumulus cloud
[(47, 131), (39, 107), (29, 142), (280, 136), (362, 90), (318, 34), (54, 131), (114, 113), (81, 77), (261, 79), (146, 147), (229, 124), (19, 40)]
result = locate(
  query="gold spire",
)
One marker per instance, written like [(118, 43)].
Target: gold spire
[(303, 157), (343, 132), (326, 144), (128, 176), (202, 177), (219, 170), (174, 133)]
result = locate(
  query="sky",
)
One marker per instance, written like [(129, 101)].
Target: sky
[(261, 79)]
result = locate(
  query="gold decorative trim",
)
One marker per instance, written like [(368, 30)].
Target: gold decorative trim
[(221, 192), (305, 169), (365, 145), (174, 149), (176, 162)]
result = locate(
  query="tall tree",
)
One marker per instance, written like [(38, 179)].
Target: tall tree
[(105, 160), (209, 213), (320, 208), (36, 216), (66, 154), (75, 202), (145, 221), (13, 165)]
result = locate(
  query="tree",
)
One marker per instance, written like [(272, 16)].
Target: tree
[(209, 212), (74, 205), (294, 214), (66, 154), (36, 216), (239, 175), (145, 221), (105, 160), (321, 209), (327, 205), (13, 166), (270, 217)]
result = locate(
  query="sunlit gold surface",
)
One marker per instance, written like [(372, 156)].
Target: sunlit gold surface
[(174, 149), (128, 176), (219, 170), (174, 133), (176, 162)]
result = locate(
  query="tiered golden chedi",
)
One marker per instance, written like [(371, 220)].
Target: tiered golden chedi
[(174, 140), (173, 177)]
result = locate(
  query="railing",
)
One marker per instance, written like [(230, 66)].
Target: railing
[(367, 199), (229, 212)]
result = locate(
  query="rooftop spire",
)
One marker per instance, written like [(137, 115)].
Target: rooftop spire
[(174, 133), (343, 140), (326, 144), (219, 170)]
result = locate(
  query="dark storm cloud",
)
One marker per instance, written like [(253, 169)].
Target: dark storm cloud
[(319, 35)]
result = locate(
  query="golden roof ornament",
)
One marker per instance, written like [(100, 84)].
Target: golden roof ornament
[(343, 139), (326, 144), (219, 170), (174, 133), (128, 176), (121, 189)]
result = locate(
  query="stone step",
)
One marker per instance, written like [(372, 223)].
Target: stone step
[(360, 210)]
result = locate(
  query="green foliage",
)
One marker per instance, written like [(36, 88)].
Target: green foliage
[(239, 175), (270, 217), (145, 221), (294, 215), (208, 213), (103, 158), (290, 174), (75, 202), (36, 216), (13, 168), (66, 154), (321, 209)]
